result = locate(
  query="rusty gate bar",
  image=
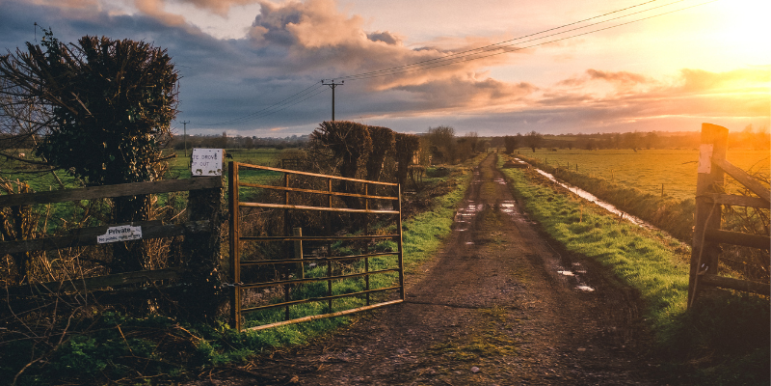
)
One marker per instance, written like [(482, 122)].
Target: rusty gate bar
[(329, 245), (324, 259), (237, 309), (319, 208), (317, 238), (316, 279), (235, 268), (366, 248), (401, 249), (316, 299)]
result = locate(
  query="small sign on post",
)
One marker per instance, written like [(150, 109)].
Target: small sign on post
[(120, 233), (206, 162)]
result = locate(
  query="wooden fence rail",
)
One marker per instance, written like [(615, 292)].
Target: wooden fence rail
[(201, 251), (707, 235)]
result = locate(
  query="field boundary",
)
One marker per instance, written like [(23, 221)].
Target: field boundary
[(707, 235)]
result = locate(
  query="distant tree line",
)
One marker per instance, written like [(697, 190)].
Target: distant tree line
[(224, 141), (748, 138)]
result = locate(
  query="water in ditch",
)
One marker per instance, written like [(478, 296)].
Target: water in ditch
[(593, 199)]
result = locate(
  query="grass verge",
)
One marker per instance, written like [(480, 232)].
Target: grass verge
[(722, 340), (106, 347), (667, 213)]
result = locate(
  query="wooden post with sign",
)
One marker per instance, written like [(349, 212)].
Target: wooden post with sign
[(202, 253), (705, 251)]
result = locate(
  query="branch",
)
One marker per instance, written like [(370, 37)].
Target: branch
[(24, 160), (165, 158)]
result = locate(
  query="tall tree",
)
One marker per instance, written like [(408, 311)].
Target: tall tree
[(406, 146), (382, 144), (349, 144), (442, 139), (112, 102), (533, 140), (511, 143)]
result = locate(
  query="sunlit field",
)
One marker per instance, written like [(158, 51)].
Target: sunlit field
[(180, 166), (647, 170)]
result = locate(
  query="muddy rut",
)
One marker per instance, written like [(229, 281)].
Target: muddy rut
[(499, 305)]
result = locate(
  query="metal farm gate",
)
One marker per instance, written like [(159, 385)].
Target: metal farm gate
[(292, 270)]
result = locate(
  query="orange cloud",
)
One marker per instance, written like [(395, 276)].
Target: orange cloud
[(220, 7), (69, 4), (316, 37), (621, 78), (693, 80), (154, 8), (694, 94), (616, 77)]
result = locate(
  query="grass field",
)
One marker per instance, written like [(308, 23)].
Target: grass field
[(722, 340), (647, 170), (179, 167)]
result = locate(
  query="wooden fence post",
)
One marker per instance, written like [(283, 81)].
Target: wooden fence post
[(298, 251), (203, 292), (704, 254)]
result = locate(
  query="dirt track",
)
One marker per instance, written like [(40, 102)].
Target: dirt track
[(498, 306)]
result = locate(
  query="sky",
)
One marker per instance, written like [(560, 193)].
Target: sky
[(494, 67)]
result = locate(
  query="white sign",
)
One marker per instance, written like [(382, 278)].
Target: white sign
[(705, 159), (120, 233), (206, 162)]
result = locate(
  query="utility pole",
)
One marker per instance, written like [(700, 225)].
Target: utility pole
[(184, 136), (332, 85)]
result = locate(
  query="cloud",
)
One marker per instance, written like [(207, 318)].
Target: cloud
[(695, 80), (616, 77), (310, 25), (314, 34), (313, 37), (465, 93), (385, 37), (693, 95), (220, 7), (155, 9), (292, 45), (71, 4), (621, 78)]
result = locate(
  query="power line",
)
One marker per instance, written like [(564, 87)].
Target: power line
[(506, 46), (502, 42), (332, 85), (266, 111), (296, 102), (499, 48)]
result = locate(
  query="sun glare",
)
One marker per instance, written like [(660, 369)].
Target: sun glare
[(744, 24)]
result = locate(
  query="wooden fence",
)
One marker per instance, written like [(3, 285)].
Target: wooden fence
[(201, 251), (707, 235)]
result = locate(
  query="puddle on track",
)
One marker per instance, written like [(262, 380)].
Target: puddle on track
[(465, 214), (573, 275)]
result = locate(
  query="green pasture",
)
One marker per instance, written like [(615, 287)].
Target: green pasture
[(647, 170), (722, 340), (179, 167)]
